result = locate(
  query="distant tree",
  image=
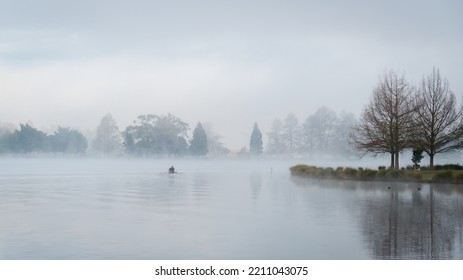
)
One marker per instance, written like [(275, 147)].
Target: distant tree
[(170, 134), (438, 123), (66, 140), (156, 135), (275, 143), (326, 133), (143, 135), (198, 143), (385, 125), (181, 146), (308, 136), (77, 142), (319, 131), (108, 136), (5, 131), (129, 142), (255, 145), (25, 140), (214, 144), (291, 133), (343, 127)]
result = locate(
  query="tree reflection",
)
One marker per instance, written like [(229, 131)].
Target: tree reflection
[(255, 180), (405, 221), (423, 226)]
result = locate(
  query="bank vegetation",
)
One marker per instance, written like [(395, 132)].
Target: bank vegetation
[(439, 174)]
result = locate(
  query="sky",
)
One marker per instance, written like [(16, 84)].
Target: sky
[(226, 64)]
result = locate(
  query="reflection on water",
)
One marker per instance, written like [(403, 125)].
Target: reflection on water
[(255, 180), (406, 220), (102, 209)]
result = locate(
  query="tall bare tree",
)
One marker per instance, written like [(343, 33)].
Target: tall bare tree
[(108, 137), (319, 132), (437, 121), (275, 144), (291, 132), (385, 125)]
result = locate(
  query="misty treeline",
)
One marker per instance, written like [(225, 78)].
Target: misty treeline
[(149, 135), (322, 134), (152, 135), (28, 139), (399, 117)]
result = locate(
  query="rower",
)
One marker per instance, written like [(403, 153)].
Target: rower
[(171, 170)]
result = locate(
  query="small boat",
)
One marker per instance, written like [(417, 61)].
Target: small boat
[(170, 173)]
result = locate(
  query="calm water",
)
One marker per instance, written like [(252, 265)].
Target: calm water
[(126, 209)]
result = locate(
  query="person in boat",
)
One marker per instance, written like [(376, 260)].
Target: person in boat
[(171, 170)]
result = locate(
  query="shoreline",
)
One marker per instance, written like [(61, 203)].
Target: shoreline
[(380, 175)]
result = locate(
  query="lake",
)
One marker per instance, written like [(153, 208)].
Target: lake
[(217, 209)]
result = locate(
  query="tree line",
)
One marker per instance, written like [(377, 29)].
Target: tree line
[(150, 135), (28, 139), (398, 117), (163, 135), (322, 134), (156, 135)]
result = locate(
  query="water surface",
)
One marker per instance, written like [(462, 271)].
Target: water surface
[(229, 209)]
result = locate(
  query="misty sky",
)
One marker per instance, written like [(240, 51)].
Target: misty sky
[(227, 64)]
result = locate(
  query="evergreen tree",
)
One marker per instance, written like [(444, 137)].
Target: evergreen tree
[(255, 145), (198, 144), (417, 156)]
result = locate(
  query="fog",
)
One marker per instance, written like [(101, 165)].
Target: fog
[(108, 209), (227, 64)]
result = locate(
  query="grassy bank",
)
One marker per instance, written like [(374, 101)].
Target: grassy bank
[(382, 174)]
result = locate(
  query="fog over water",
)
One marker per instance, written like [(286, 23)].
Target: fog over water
[(234, 209), (227, 65)]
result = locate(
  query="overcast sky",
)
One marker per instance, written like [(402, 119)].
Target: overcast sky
[(227, 64)]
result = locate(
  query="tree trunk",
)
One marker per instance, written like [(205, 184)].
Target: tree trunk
[(392, 161), (396, 165), (431, 161)]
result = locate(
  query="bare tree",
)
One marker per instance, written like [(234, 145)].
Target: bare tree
[(291, 132), (275, 143), (343, 126), (438, 124), (385, 125), (108, 137), (319, 131)]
